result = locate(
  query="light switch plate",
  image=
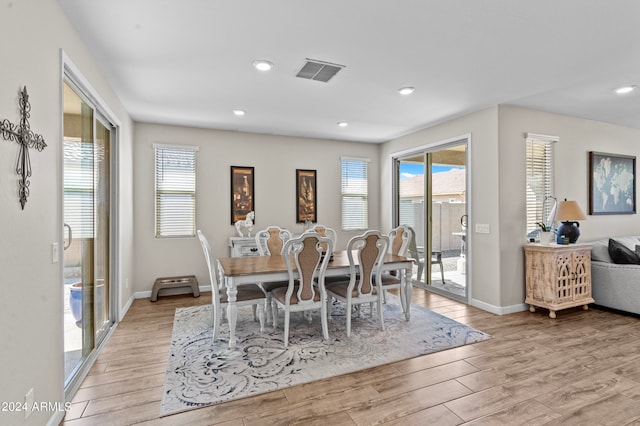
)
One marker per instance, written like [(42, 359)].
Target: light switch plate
[(54, 253), (483, 228)]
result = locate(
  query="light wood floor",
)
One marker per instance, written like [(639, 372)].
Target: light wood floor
[(582, 368)]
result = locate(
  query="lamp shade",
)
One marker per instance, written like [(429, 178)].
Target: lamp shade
[(568, 212)]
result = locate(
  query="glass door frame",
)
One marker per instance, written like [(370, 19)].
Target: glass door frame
[(425, 150), (72, 76)]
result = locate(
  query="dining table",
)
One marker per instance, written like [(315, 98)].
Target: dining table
[(237, 271)]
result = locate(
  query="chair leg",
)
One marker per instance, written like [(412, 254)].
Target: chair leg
[(324, 321), (348, 320), (287, 316), (215, 322), (267, 308), (254, 308), (384, 295), (274, 313), (380, 314), (442, 272), (261, 315)]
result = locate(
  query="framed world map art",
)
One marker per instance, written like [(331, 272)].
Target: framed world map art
[(612, 183)]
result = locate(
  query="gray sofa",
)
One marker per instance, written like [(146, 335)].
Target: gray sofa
[(614, 285)]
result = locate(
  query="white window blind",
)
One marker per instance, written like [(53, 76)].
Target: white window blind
[(355, 192), (539, 178), (175, 191), (79, 187)]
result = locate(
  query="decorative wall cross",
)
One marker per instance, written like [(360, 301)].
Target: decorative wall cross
[(23, 135)]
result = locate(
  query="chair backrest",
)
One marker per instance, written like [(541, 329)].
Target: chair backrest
[(325, 232), (399, 240), (413, 247), (208, 257), (307, 262), (271, 240), (370, 248)]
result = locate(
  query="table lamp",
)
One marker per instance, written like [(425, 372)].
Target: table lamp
[(568, 212)]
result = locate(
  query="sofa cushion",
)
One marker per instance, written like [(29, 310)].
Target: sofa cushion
[(622, 254), (600, 251)]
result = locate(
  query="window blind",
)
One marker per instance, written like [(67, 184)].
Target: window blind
[(539, 169), (355, 192), (79, 187), (175, 191)]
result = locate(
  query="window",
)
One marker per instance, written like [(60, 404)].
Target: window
[(355, 189), (539, 178), (175, 191)]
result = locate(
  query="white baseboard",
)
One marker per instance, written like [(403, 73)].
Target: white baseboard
[(499, 310), (126, 307), (56, 418)]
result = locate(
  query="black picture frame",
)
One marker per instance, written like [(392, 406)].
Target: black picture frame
[(612, 183), (242, 192), (306, 196)]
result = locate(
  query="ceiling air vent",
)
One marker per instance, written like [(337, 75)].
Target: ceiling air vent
[(318, 70)]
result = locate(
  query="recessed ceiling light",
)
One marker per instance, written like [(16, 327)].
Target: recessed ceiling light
[(343, 123), (262, 65), (625, 89), (238, 112), (406, 90)]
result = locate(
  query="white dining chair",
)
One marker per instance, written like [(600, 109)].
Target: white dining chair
[(270, 241), (325, 231), (364, 282), (251, 294), (399, 241), (306, 258)]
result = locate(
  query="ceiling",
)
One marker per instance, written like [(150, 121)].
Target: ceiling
[(189, 62)]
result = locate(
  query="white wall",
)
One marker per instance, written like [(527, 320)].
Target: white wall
[(497, 188), (484, 179), (31, 343), (576, 138), (275, 159)]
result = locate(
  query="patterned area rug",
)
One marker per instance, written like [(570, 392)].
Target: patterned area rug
[(201, 373)]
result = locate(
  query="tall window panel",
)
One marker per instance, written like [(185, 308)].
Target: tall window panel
[(175, 190), (355, 194), (539, 165)]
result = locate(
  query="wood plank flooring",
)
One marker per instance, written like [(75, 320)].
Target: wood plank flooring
[(581, 368)]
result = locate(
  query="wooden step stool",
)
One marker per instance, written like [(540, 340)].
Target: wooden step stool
[(175, 282)]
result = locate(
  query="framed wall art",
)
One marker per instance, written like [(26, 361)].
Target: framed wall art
[(306, 200), (242, 195), (612, 184)]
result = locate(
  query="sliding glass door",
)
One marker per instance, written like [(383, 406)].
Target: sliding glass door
[(87, 246), (430, 197)]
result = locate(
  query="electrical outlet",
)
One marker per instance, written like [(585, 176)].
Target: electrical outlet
[(482, 228), (54, 253), (28, 403)]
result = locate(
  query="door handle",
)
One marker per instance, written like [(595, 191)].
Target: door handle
[(66, 246)]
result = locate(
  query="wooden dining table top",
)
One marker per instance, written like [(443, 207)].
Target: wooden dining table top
[(238, 266)]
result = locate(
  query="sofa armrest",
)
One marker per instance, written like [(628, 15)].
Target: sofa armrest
[(616, 286)]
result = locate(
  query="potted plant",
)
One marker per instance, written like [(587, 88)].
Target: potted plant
[(546, 234)]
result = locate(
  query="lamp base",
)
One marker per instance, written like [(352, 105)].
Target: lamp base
[(570, 230)]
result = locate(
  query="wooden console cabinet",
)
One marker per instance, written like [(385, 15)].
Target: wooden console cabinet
[(242, 247), (558, 276)]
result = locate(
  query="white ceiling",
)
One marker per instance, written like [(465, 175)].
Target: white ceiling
[(188, 62)]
